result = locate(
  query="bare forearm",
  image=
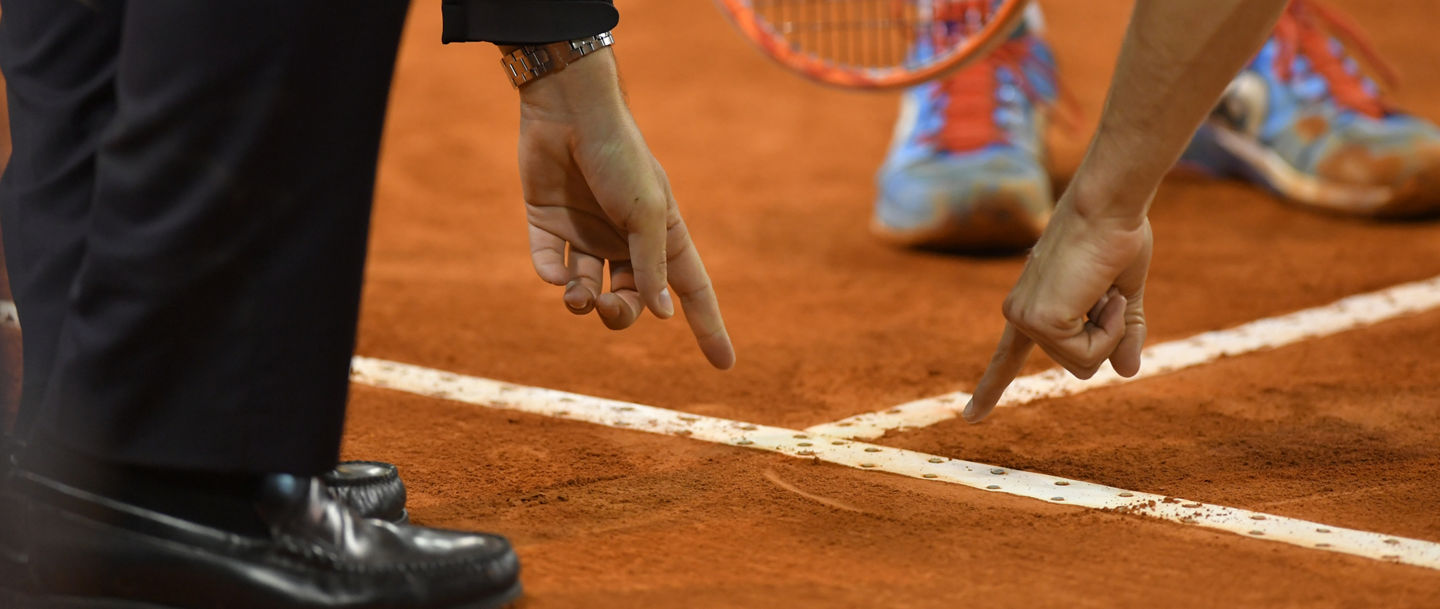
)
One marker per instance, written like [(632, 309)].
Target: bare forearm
[(1177, 58)]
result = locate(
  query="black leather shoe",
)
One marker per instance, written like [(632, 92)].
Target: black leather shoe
[(84, 550), (372, 488)]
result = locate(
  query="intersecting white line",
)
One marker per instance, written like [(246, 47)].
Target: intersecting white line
[(860, 455), (830, 443), (1344, 314)]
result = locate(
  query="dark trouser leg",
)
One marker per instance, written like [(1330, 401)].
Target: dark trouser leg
[(59, 64), (211, 321)]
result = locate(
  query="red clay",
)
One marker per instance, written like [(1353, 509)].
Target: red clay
[(775, 177)]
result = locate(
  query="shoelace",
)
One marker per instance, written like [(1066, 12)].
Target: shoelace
[(969, 115), (1305, 29)]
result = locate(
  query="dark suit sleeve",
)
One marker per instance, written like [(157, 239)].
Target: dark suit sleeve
[(526, 21)]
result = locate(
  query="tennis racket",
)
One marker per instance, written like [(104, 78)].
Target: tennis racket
[(874, 44)]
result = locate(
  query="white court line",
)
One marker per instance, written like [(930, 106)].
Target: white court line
[(624, 415), (1344, 314), (8, 315)]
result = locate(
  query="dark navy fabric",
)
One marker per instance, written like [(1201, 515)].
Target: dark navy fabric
[(185, 215)]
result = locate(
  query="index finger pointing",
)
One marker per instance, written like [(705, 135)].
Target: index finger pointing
[(697, 299), (647, 255), (1009, 356)]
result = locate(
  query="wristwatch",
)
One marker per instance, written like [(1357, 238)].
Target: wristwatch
[(528, 63)]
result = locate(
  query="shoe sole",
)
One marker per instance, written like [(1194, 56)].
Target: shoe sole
[(1000, 224), (1228, 152), (16, 600)]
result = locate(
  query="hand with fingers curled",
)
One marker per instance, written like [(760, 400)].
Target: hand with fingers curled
[(1081, 294), (596, 197), (1080, 298)]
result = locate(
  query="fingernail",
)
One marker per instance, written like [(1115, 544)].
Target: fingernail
[(576, 299), (667, 306), (969, 413)]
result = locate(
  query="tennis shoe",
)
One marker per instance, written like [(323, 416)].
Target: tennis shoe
[(1304, 120), (966, 167)]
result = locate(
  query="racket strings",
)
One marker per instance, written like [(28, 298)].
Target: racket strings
[(875, 33)]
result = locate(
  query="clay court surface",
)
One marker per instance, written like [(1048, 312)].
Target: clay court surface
[(774, 176)]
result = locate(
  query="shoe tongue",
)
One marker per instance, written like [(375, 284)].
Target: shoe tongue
[(306, 509)]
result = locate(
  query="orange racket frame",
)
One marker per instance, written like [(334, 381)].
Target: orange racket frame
[(1003, 21)]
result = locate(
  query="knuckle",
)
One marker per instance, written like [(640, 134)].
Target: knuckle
[(677, 247), (704, 335), (1136, 302), (1051, 316), (1014, 312), (654, 205), (1035, 318), (643, 212), (701, 290)]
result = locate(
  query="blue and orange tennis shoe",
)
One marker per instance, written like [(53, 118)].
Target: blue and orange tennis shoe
[(1303, 120), (966, 168)]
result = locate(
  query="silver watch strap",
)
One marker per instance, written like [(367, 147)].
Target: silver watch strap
[(528, 63)]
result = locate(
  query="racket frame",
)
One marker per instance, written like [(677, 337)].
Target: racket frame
[(773, 45)]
